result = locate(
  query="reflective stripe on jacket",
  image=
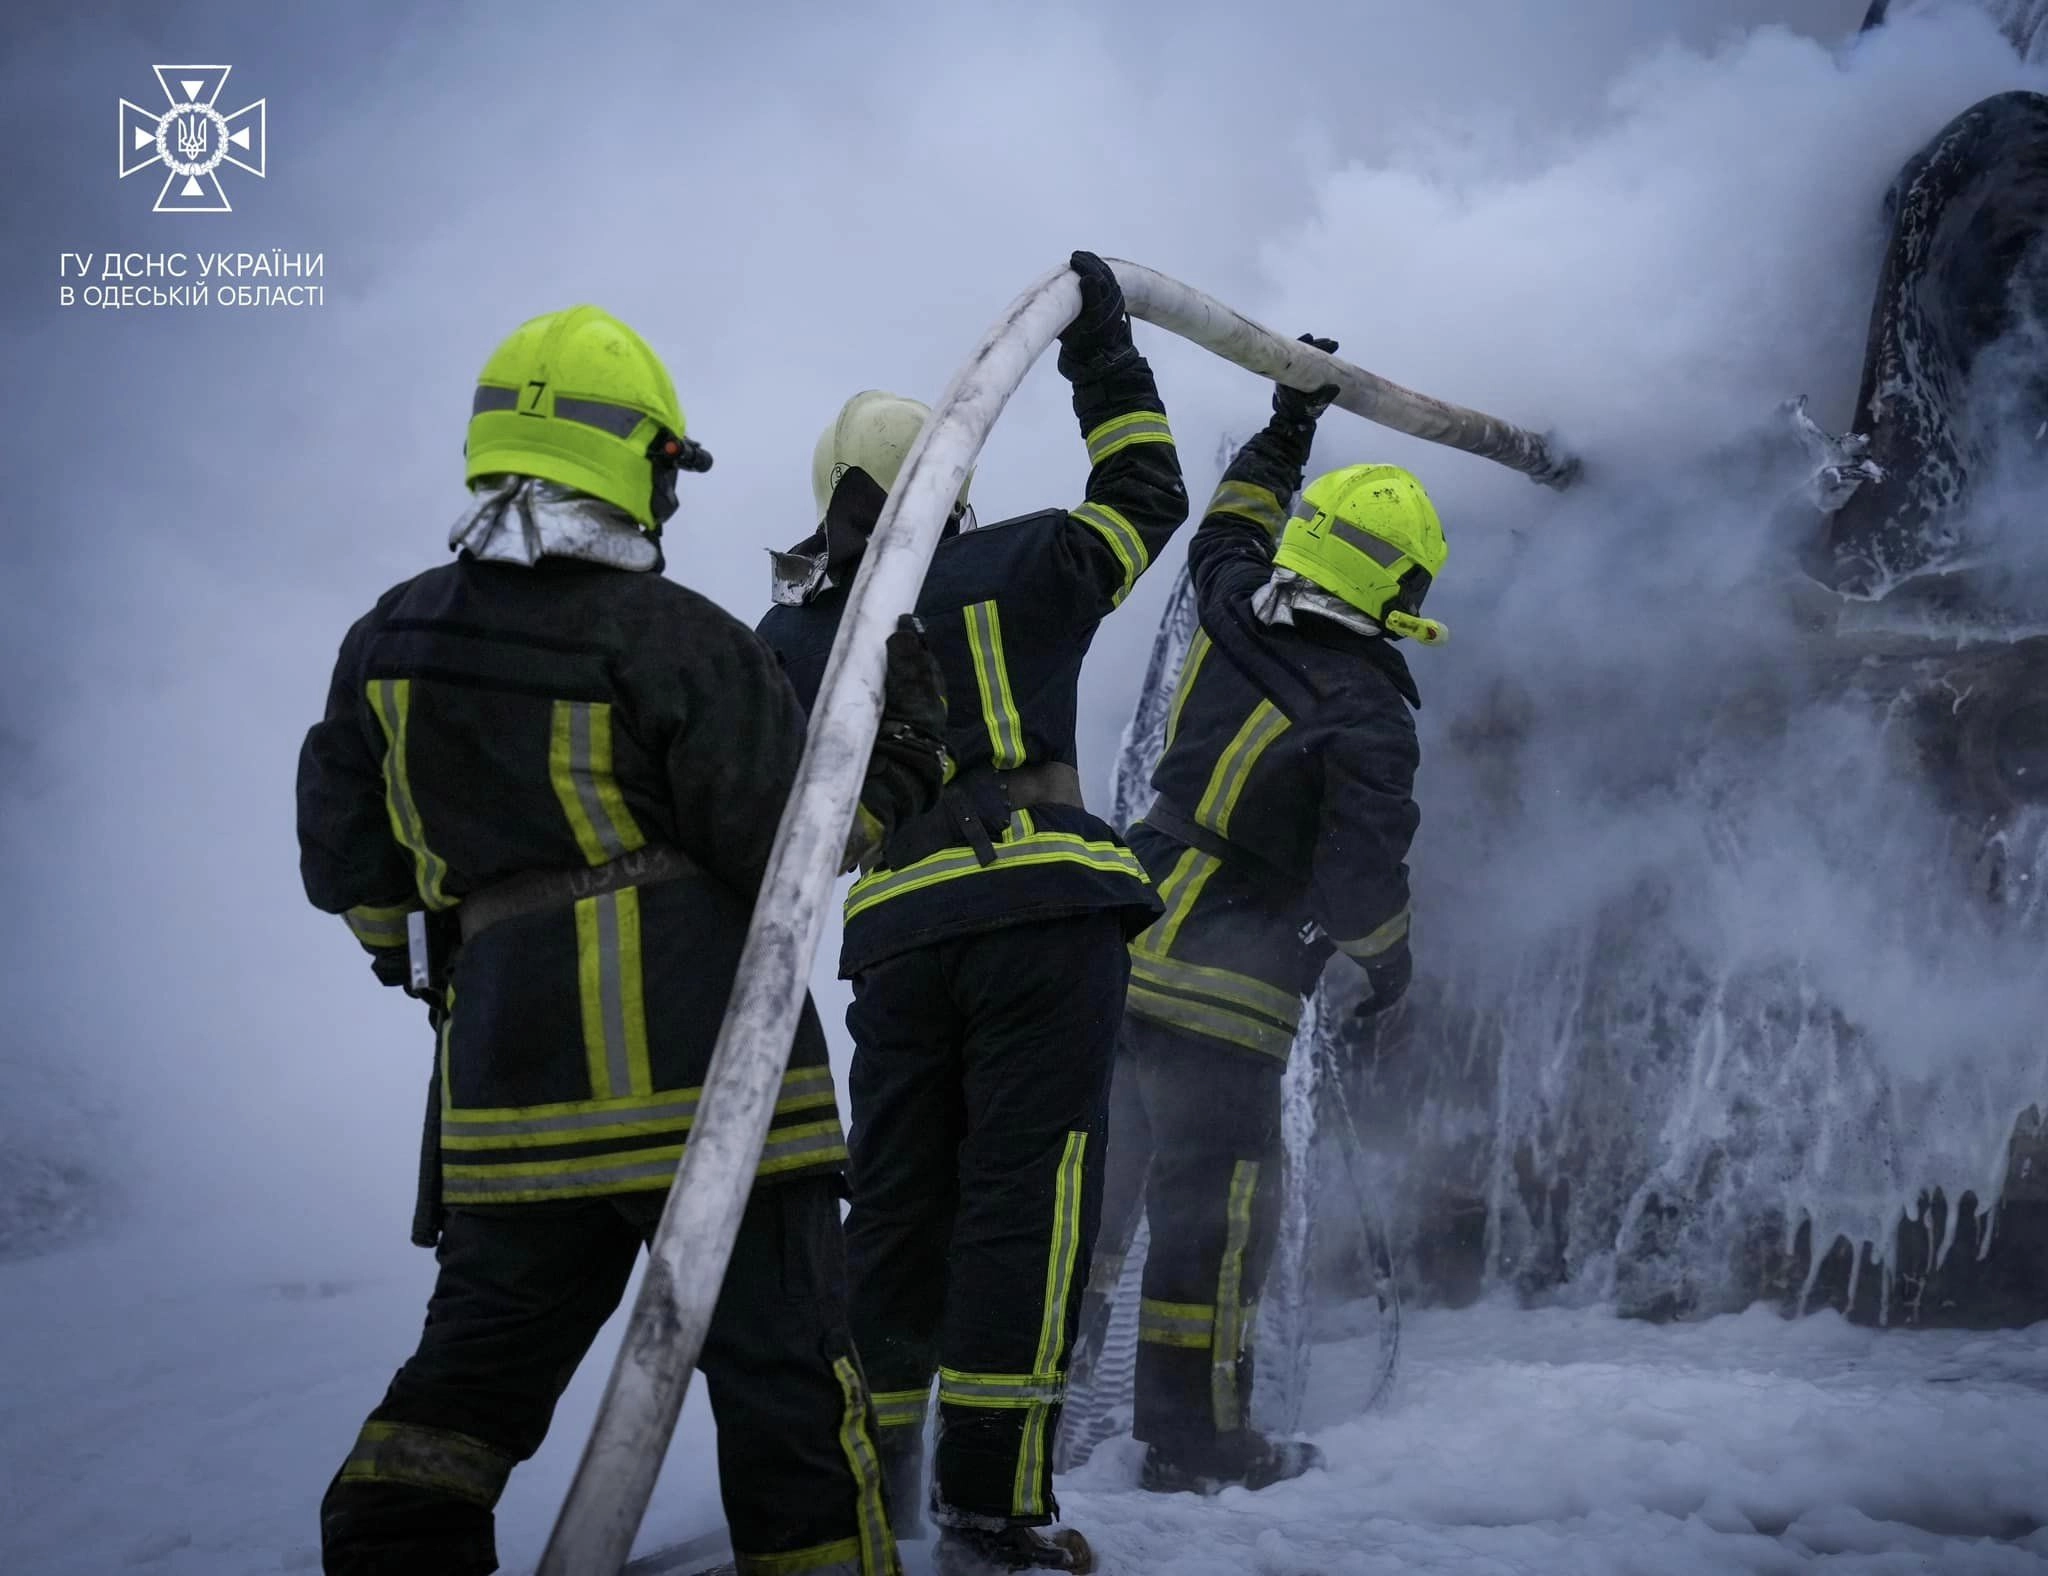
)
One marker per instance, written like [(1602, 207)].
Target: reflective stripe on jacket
[(1009, 611), (1290, 756), (490, 719)]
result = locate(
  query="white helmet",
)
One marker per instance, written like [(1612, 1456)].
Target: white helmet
[(874, 431)]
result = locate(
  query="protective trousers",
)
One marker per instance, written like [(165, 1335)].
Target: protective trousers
[(523, 1290), (979, 1087), (1201, 1120)]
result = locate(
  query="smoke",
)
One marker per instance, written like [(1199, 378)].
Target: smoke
[(1647, 242), (1678, 861)]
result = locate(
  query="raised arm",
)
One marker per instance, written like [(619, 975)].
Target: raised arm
[(1136, 499), (1232, 552)]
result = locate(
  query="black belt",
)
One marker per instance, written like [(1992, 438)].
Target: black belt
[(534, 890), (977, 805)]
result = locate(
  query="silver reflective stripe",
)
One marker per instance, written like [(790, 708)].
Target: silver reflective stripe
[(612, 991), (1226, 784), (877, 1547), (1220, 985), (901, 1408), (597, 1176), (1232, 1332), (969, 1392), (779, 1151), (394, 696), (583, 774), (1195, 1330), (1123, 540), (429, 1458), (1378, 941), (1260, 505), (378, 927), (1112, 437), (1378, 549), (680, 1111), (488, 398), (992, 673), (618, 420), (1203, 1018)]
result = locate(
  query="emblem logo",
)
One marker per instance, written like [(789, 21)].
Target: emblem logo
[(192, 139)]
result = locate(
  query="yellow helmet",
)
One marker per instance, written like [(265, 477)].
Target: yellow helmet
[(1373, 538), (578, 398), (873, 432)]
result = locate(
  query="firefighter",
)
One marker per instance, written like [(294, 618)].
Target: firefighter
[(1278, 839), (577, 766), (987, 945)]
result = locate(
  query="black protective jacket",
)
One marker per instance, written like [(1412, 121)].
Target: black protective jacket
[(1009, 611), (487, 720), (1285, 804)]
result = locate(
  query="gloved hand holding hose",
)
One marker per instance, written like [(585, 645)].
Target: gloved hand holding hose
[(1099, 338), (1295, 414), (908, 766)]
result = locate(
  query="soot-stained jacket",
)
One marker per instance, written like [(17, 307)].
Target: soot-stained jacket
[(487, 720), (1009, 611), (1285, 805)]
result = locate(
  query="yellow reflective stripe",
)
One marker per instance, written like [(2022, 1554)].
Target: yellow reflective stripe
[(1378, 941), (877, 1545), (666, 1117), (669, 1112), (810, 1144), (1123, 540), (1120, 432), (1234, 767), (842, 1558), (625, 1171), (1231, 1328), (672, 1113), (1198, 648), (436, 1459), (1260, 505), (1179, 893), (902, 1408), (1185, 1324), (391, 700), (802, 1088), (1064, 1252), (377, 926), (609, 978), (583, 1167), (1209, 1020), (1002, 1392), (992, 678), (1219, 985), (1018, 852), (580, 767)]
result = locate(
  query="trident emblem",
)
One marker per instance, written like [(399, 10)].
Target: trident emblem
[(192, 139)]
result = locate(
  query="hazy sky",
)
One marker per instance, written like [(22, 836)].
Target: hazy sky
[(1527, 208)]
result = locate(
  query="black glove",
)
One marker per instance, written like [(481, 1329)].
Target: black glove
[(1295, 414), (1099, 338), (1389, 977), (908, 766)]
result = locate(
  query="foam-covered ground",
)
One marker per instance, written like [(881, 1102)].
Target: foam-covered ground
[(182, 1420)]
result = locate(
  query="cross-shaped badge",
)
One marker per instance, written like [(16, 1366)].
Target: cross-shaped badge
[(192, 139)]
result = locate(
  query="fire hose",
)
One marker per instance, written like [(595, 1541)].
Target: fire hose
[(601, 1515)]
